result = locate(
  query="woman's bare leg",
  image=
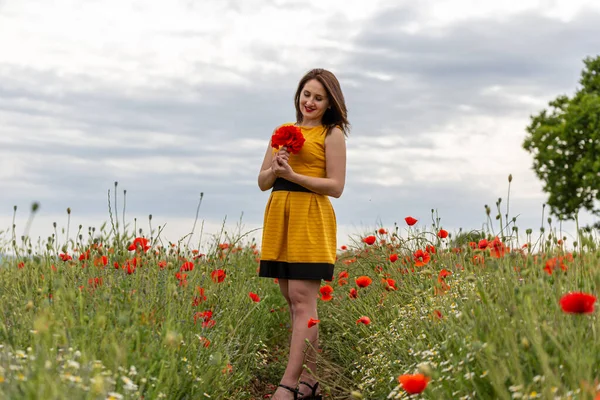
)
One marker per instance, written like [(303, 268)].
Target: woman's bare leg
[(303, 297)]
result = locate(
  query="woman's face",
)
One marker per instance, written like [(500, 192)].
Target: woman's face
[(313, 102)]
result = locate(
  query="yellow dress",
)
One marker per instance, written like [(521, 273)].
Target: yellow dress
[(299, 233)]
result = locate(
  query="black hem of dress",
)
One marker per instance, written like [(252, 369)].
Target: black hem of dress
[(299, 270)]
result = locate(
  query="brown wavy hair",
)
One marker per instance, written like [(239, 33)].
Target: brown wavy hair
[(337, 114)]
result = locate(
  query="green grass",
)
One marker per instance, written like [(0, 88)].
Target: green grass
[(502, 333)]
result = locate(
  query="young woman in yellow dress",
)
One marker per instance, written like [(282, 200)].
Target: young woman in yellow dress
[(299, 235)]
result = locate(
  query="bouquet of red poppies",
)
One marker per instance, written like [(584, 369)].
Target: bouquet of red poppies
[(289, 136)]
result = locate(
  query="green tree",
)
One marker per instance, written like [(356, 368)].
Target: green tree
[(565, 144)]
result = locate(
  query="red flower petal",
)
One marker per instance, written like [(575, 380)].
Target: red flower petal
[(363, 281), (410, 221), (413, 384), (312, 322), (578, 303)]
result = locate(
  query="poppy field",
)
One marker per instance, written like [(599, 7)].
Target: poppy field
[(413, 311)]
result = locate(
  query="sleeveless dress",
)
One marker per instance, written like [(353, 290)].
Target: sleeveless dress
[(299, 233)]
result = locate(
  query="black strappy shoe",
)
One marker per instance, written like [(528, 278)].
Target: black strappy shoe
[(313, 395), (291, 389)]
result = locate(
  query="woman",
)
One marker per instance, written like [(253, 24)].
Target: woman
[(299, 235)]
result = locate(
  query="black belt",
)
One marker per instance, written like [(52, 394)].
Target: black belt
[(284, 184)]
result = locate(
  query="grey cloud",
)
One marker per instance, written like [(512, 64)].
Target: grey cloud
[(434, 74)]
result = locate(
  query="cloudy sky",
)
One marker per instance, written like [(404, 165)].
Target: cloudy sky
[(175, 98)]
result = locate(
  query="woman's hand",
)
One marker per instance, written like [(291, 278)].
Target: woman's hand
[(280, 166), (283, 154)]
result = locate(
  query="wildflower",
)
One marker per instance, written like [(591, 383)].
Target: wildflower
[(204, 341), (363, 320), (254, 297), (94, 282), (65, 257), (382, 231), (413, 384), (326, 293), (390, 284), (443, 274), (438, 314), (578, 303), (430, 249), (443, 233), (101, 261), (363, 281), (187, 266), (497, 248), (139, 243), (554, 263), (218, 275), (162, 264), (421, 258), (353, 293), (393, 257), (344, 247), (483, 244), (369, 240), (410, 221), (312, 322)]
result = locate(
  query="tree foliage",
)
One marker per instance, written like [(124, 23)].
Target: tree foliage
[(565, 143)]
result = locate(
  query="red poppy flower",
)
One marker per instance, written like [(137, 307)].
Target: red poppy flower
[(203, 315), (430, 249), (393, 257), (312, 322), (421, 258), (353, 293), (141, 242), (162, 264), (363, 281), (343, 274), (363, 320), (443, 273), (326, 293), (218, 275), (181, 276), (413, 384), (94, 282), (65, 257), (443, 233), (483, 244), (410, 221), (370, 240), (254, 297), (473, 245), (209, 324), (390, 284), (187, 266), (344, 247), (438, 314), (578, 303), (84, 256), (101, 261), (497, 248), (129, 267), (289, 136), (382, 231), (554, 263), (205, 342)]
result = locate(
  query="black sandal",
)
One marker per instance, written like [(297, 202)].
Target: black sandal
[(313, 395), (295, 391)]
